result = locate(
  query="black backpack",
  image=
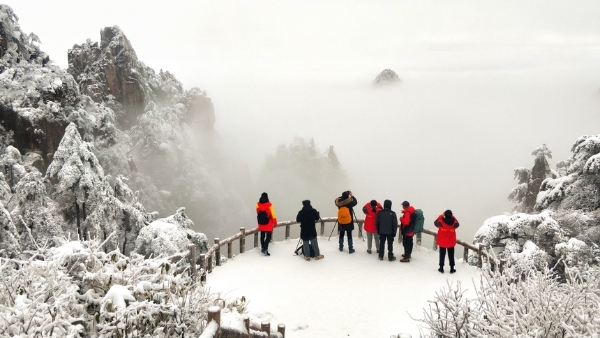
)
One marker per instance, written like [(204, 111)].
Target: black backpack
[(300, 251), (262, 217)]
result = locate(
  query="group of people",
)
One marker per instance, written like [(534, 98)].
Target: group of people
[(381, 225)]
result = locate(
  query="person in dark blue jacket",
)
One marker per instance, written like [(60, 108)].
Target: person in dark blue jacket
[(387, 228)]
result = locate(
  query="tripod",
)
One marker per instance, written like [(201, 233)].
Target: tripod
[(336, 222), (360, 234)]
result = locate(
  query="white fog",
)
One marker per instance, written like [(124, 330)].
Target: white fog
[(483, 84)]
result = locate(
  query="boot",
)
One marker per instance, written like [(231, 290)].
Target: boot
[(369, 251), (319, 257), (306, 258), (441, 269), (452, 270), (392, 259), (351, 250), (405, 260)]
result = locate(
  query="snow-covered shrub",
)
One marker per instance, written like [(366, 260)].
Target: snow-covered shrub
[(575, 253), (508, 236), (169, 236), (77, 289), (506, 305)]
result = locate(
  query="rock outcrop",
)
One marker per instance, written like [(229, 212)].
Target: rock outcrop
[(110, 70), (387, 76), (38, 98)]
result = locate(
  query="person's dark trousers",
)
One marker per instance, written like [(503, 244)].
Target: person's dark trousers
[(407, 242), (450, 256), (265, 238), (349, 234), (390, 242)]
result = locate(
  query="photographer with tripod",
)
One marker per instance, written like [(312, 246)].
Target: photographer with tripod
[(345, 203), (307, 217)]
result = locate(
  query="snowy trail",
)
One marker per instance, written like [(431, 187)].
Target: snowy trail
[(343, 295)]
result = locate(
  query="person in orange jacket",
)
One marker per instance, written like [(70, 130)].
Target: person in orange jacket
[(371, 209), (407, 229), (266, 230), (446, 238)]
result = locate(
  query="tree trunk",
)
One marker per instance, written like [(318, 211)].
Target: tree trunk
[(78, 221), (84, 213)]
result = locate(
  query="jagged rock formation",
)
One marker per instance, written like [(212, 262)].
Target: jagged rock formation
[(38, 98), (387, 76), (111, 71)]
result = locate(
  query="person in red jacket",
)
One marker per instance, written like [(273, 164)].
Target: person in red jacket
[(446, 238), (371, 209), (266, 230), (407, 229)]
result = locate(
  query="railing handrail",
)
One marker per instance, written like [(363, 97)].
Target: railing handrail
[(215, 249)]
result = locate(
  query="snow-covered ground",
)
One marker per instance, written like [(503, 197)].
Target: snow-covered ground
[(343, 295)]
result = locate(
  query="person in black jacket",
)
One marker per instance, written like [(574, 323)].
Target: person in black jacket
[(307, 217), (387, 228), (349, 201)]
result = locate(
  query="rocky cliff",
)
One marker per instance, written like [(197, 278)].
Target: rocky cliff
[(38, 98)]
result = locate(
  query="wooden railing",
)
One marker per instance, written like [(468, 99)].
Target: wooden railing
[(214, 329), (481, 252), (206, 259)]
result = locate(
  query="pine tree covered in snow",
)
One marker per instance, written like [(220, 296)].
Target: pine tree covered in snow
[(79, 178), (525, 194), (563, 223), (302, 168)]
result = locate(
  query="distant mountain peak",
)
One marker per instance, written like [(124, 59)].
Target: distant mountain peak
[(386, 76)]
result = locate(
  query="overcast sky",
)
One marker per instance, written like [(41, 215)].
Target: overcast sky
[(484, 83)]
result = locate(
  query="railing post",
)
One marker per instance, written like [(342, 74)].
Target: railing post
[(480, 256), (192, 257), (209, 263), (466, 255), (229, 250), (434, 242), (214, 313), (287, 231), (281, 330), (217, 252), (322, 228), (256, 239), (242, 240), (247, 325), (203, 267), (418, 238), (265, 327)]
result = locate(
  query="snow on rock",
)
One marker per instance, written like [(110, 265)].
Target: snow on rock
[(387, 76)]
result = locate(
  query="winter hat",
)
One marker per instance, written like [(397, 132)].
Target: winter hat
[(264, 194), (345, 195), (405, 204), (387, 204), (448, 213), (306, 202), (373, 203), (264, 198)]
